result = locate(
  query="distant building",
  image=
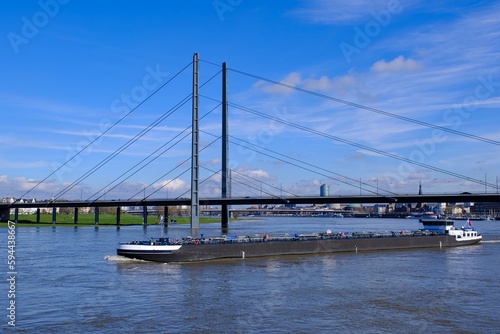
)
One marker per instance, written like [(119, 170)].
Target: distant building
[(335, 206), (324, 190), (486, 208), (23, 211)]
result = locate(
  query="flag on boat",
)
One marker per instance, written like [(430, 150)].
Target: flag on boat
[(469, 223)]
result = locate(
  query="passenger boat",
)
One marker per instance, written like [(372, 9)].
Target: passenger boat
[(436, 233)]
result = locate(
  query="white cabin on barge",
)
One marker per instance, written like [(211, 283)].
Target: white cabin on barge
[(446, 226)]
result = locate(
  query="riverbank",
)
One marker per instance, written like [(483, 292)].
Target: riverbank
[(104, 220)]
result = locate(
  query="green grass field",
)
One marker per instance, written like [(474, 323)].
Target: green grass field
[(104, 219)]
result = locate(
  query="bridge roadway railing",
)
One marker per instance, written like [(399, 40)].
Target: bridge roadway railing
[(347, 199)]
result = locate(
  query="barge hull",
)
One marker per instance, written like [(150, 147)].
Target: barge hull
[(204, 252)]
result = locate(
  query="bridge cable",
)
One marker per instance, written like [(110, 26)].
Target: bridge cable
[(250, 185), (124, 146), (139, 163), (104, 132), (131, 141), (374, 110), (364, 147), (201, 150), (146, 158), (176, 177), (356, 105), (356, 184)]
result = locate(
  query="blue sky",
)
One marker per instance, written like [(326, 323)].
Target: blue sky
[(70, 69)]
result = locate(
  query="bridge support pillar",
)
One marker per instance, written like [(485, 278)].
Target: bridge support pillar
[(4, 215), (54, 215), (145, 215), (118, 215), (224, 217), (16, 215), (38, 215), (165, 216), (75, 218), (96, 212)]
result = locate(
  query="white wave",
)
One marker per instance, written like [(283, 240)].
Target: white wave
[(490, 241), (122, 259)]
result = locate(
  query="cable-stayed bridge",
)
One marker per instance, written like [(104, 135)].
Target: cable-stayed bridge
[(226, 178)]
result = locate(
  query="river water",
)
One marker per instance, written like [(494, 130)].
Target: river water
[(69, 280)]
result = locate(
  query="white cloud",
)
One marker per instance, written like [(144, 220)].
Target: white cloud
[(398, 64), (293, 79), (256, 174), (18, 185), (337, 84), (175, 184)]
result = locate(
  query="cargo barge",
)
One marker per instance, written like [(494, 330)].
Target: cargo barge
[(436, 233)]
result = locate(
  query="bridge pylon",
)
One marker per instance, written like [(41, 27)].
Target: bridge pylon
[(195, 200)]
